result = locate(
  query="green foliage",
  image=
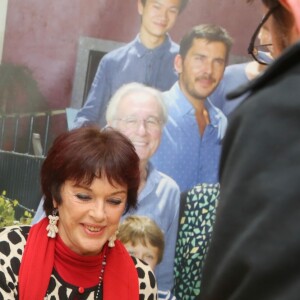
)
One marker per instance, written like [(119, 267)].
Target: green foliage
[(7, 212)]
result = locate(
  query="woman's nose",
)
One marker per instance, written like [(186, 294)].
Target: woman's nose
[(98, 210)]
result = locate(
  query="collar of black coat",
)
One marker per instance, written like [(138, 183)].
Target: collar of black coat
[(289, 59)]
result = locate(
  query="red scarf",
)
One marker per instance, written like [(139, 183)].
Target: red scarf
[(80, 270), (120, 275)]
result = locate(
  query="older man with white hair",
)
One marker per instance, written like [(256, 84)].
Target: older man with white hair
[(139, 113)]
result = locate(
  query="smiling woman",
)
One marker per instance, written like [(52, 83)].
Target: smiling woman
[(89, 179)]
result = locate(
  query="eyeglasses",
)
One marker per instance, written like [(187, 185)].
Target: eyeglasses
[(261, 52), (132, 123)]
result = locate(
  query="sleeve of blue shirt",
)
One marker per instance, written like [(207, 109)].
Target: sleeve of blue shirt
[(93, 111), (165, 270)]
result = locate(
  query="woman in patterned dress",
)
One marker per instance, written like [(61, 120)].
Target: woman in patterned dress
[(89, 179)]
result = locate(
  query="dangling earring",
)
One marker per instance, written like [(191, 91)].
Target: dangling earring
[(52, 228), (111, 240)]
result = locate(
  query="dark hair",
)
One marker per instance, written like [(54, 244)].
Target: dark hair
[(183, 4), (209, 32), (85, 153)]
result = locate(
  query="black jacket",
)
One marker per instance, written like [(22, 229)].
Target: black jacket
[(255, 249)]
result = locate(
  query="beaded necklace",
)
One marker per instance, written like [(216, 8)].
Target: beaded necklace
[(98, 295)]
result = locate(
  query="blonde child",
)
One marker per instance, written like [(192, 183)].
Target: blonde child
[(143, 239)]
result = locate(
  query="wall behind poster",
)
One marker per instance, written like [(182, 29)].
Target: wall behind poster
[(43, 35)]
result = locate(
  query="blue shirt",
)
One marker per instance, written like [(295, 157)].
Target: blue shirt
[(130, 63), (159, 200), (165, 295), (234, 76), (183, 154)]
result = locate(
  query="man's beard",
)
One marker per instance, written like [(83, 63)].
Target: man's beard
[(193, 92)]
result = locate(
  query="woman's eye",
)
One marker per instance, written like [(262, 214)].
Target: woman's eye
[(114, 201), (83, 197)]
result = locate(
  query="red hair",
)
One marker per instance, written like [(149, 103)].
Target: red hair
[(85, 153)]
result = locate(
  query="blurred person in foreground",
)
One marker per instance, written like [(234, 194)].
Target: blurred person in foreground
[(255, 246), (236, 75), (89, 179)]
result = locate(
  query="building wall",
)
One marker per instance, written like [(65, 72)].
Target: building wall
[(43, 35), (3, 10)]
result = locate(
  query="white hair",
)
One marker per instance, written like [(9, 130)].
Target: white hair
[(130, 88)]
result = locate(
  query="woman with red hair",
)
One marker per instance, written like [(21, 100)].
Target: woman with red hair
[(89, 179)]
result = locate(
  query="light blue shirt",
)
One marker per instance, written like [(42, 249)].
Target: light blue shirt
[(159, 200), (183, 154), (130, 63), (165, 295), (234, 76)]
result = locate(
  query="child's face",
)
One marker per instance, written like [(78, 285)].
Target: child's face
[(148, 254)]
